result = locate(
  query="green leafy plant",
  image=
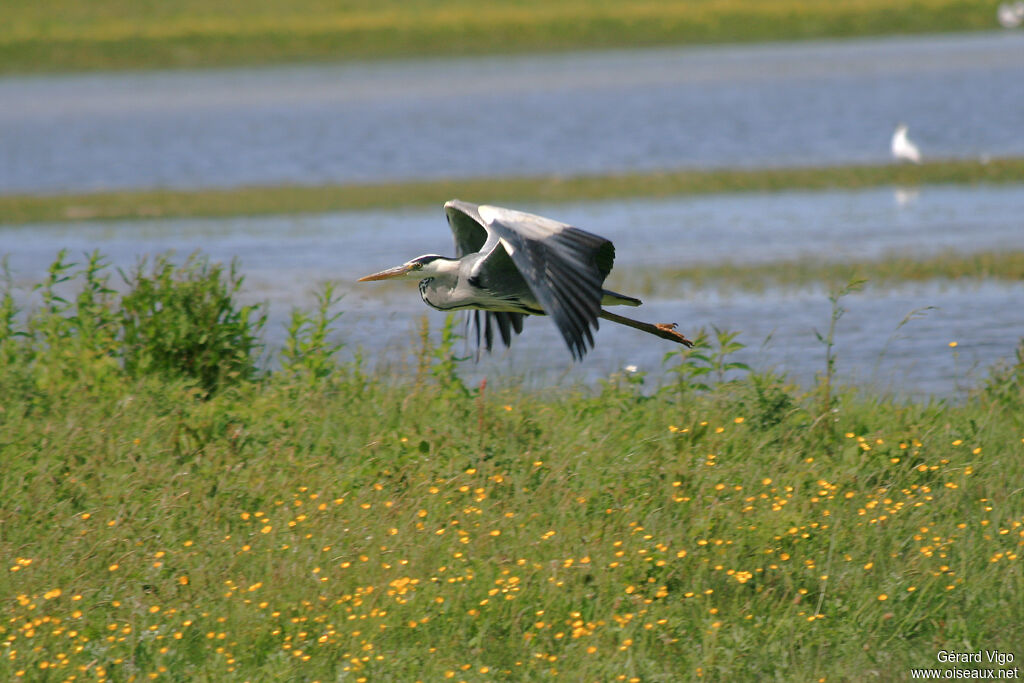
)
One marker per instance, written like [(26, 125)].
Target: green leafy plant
[(70, 335), (185, 322), (438, 360), (307, 350), (705, 360), (445, 364), (693, 363), (49, 323), (725, 346), (826, 380), (95, 320), (9, 332)]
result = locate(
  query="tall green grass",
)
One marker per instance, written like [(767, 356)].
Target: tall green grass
[(330, 522)]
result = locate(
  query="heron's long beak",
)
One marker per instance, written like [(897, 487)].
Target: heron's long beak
[(397, 271)]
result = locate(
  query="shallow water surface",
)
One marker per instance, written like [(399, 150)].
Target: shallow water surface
[(828, 102), (739, 228)]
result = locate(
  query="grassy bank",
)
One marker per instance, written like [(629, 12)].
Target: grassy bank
[(16, 209), (889, 270), (66, 35), (326, 522)]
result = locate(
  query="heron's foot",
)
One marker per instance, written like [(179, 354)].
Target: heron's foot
[(677, 336)]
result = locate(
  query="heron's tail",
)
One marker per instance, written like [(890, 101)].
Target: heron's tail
[(663, 330), (610, 298)]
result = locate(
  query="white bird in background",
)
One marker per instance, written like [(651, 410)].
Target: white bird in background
[(902, 148), (1010, 15)]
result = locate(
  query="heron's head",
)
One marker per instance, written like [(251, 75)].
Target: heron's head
[(416, 269)]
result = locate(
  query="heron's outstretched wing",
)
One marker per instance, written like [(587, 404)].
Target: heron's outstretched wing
[(467, 227), (470, 237), (564, 266)]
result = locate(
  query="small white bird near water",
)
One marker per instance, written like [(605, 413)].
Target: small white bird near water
[(1010, 14), (902, 148)]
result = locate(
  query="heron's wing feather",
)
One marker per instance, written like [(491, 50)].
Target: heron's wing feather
[(471, 236), (486, 322), (467, 226), (564, 266), (605, 257)]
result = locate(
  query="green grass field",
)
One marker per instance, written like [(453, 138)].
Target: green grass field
[(16, 209), (328, 521), (68, 35)]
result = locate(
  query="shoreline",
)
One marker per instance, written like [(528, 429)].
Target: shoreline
[(295, 199)]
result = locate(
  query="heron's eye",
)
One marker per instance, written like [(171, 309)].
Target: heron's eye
[(417, 266)]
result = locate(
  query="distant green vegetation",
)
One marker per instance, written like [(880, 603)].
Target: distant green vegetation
[(63, 35), (16, 209), (949, 265), (331, 521)]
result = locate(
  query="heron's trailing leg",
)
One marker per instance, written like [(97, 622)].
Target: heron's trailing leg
[(663, 330)]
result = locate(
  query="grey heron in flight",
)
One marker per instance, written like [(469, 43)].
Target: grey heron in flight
[(510, 264)]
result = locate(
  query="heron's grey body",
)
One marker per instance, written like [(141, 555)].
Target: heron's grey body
[(510, 264)]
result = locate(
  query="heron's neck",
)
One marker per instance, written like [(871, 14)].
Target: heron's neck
[(441, 268)]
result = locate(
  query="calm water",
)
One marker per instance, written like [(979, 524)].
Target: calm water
[(763, 105), (285, 258)]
